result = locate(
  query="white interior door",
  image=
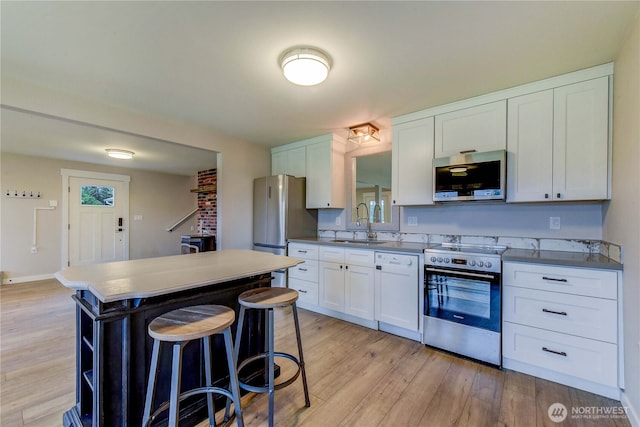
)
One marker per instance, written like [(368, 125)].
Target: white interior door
[(98, 220)]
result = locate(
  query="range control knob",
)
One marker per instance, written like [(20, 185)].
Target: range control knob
[(488, 264), (472, 262), (480, 263), (446, 260), (433, 259), (439, 259)]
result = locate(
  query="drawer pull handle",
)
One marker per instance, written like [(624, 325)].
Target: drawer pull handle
[(457, 316), (560, 313), (302, 291), (301, 251), (302, 269), (554, 279), (560, 353)]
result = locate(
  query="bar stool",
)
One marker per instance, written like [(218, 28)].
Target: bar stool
[(268, 299), (180, 327)]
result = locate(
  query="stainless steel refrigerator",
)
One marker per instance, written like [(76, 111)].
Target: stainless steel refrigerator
[(279, 213)]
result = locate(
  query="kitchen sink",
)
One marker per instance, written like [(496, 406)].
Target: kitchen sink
[(359, 242)]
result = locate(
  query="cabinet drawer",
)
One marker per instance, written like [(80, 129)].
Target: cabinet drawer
[(308, 270), (588, 317), (331, 254), (307, 291), (578, 281), (591, 360), (359, 257), (297, 250)]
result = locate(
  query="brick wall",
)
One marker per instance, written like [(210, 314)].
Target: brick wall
[(207, 202)]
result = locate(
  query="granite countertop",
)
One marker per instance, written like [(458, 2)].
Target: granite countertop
[(561, 258), (378, 245), (150, 277)]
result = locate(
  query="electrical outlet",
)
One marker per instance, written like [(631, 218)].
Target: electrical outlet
[(338, 221), (412, 221), (554, 223), (34, 249)]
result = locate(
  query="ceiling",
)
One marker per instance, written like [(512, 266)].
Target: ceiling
[(215, 63)]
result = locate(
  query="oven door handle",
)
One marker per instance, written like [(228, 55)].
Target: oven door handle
[(460, 273)]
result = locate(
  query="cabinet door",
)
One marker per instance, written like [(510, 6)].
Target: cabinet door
[(396, 296), (581, 141), (289, 162), (325, 175), (412, 159), (359, 291), (530, 147), (480, 128), (332, 286)]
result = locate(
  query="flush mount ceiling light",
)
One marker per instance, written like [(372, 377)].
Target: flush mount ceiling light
[(365, 133), (117, 153), (305, 66)]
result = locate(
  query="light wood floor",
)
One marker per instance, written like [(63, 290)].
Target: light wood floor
[(357, 377)]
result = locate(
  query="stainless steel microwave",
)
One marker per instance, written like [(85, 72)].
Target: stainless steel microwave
[(470, 176)]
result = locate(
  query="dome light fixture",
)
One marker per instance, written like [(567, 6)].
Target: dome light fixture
[(305, 66), (117, 153)]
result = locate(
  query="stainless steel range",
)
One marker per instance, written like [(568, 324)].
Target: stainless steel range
[(462, 300)]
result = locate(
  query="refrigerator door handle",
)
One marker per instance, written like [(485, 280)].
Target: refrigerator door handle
[(269, 195)]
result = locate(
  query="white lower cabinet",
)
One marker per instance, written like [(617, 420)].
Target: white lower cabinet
[(346, 280), (561, 324), (349, 284), (304, 277)]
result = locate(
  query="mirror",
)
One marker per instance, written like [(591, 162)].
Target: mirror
[(369, 189)]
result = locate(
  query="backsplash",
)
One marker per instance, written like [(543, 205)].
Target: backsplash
[(610, 250)]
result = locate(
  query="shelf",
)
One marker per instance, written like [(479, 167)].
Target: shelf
[(207, 189), (88, 377)]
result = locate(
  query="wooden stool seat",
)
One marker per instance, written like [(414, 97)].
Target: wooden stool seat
[(263, 298), (191, 323)]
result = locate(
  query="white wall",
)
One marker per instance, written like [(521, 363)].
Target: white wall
[(160, 198), (622, 214), (239, 162)]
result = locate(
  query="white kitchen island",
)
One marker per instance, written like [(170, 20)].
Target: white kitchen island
[(115, 303)]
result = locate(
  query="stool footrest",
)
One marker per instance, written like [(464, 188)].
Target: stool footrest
[(265, 388), (200, 390)]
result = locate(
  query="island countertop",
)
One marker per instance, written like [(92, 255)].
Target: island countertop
[(150, 277)]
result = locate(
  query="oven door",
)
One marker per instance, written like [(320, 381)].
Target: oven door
[(465, 297)]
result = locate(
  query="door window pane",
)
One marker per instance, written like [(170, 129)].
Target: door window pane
[(96, 195)]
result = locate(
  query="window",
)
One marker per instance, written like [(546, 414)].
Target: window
[(96, 195)]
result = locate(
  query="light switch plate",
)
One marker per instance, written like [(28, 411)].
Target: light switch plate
[(412, 221), (554, 223)]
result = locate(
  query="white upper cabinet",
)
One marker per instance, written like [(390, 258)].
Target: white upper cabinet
[(581, 141), (558, 144), (530, 147), (412, 156), (289, 162), (478, 128), (325, 173)]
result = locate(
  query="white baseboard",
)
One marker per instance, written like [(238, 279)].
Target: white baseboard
[(633, 413), (22, 279)]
